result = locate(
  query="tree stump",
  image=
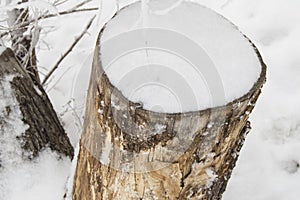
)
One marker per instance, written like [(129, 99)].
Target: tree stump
[(128, 152), (36, 111)]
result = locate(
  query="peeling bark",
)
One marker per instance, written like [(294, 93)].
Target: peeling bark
[(122, 156), (37, 111)]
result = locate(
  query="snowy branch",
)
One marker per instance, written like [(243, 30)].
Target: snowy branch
[(25, 24), (69, 50)]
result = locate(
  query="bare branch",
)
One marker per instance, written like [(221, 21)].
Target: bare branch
[(69, 50), (57, 3), (20, 26), (75, 114), (68, 12), (80, 5)]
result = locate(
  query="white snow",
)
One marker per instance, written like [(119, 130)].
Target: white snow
[(100, 111), (38, 90), (40, 178), (159, 128), (212, 176), (72, 172), (170, 80), (145, 12), (106, 150), (169, 8), (43, 178), (102, 103), (2, 48), (117, 107), (11, 126)]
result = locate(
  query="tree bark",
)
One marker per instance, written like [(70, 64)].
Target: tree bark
[(123, 156), (37, 111)]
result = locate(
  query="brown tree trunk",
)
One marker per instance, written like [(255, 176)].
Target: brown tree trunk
[(123, 155), (44, 128)]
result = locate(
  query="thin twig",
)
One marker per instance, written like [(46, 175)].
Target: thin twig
[(68, 51), (54, 85), (57, 3), (72, 109), (46, 17), (79, 123), (80, 4), (67, 12)]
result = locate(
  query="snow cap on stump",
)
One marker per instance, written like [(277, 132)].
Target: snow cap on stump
[(177, 58)]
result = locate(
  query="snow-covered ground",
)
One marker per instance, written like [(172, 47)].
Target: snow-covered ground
[(268, 167), (23, 178)]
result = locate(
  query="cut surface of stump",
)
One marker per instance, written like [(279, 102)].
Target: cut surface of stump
[(167, 111), (193, 58)]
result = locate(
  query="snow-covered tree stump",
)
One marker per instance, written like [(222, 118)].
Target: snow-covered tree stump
[(131, 150), (22, 100)]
